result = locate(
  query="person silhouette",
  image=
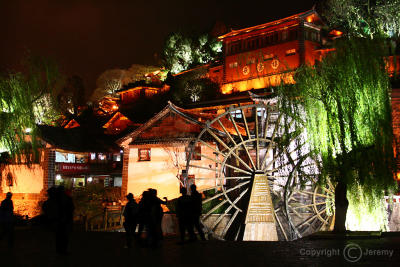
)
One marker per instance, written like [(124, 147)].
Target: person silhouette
[(184, 215), (157, 215), (58, 212), (197, 210), (64, 221), (7, 219), (130, 216)]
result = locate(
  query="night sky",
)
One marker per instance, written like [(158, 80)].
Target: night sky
[(87, 37)]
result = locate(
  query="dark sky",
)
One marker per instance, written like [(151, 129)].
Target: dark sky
[(87, 37)]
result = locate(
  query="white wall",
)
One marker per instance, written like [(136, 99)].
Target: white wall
[(160, 172), (26, 180)]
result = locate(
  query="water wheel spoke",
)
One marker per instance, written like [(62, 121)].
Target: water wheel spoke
[(237, 169), (229, 223), (280, 225), (212, 148), (257, 139), (241, 138), (215, 208), (309, 205), (204, 168), (309, 219), (219, 140), (207, 157), (223, 178), (217, 221), (226, 132), (267, 124), (227, 191), (311, 193), (272, 137), (241, 161)]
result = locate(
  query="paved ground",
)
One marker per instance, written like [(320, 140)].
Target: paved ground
[(35, 248)]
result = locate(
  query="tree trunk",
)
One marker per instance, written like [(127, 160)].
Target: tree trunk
[(341, 205)]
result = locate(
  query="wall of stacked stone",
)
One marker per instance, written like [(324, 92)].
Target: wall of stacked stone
[(26, 204)]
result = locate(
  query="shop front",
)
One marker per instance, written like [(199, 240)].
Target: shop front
[(77, 170)]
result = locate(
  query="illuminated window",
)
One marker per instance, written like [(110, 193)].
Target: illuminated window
[(290, 52), (92, 156), (233, 65), (116, 157), (268, 57), (144, 154), (237, 114)]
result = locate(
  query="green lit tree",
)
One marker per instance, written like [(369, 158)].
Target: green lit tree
[(183, 52), (366, 18), (343, 105), (27, 98)]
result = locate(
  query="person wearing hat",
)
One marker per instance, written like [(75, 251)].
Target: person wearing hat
[(7, 219), (130, 215)]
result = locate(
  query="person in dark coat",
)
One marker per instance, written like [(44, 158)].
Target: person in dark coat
[(144, 212), (185, 216), (58, 212), (7, 219), (64, 221), (130, 215), (197, 208), (157, 215)]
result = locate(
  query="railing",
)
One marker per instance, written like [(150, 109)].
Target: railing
[(109, 219)]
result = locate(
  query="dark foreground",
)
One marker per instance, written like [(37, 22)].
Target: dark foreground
[(36, 248)]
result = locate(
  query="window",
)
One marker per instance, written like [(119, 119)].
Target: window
[(237, 114), (290, 52), (117, 157), (65, 157), (144, 154), (268, 57), (233, 65), (196, 155)]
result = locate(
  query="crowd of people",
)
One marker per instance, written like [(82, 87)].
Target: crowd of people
[(148, 214), (145, 216)]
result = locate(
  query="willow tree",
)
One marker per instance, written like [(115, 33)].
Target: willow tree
[(27, 98), (343, 103)]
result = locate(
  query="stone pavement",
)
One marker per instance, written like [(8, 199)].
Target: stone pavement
[(34, 247)]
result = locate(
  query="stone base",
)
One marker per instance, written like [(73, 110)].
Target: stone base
[(260, 232)]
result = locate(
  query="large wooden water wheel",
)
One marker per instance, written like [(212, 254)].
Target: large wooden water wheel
[(259, 182)]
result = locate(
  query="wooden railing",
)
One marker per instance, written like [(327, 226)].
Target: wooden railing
[(109, 219)]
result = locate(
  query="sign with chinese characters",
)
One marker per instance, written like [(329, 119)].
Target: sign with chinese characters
[(72, 168)]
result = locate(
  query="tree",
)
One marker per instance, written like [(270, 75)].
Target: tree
[(72, 96), (114, 79), (192, 87), (27, 98), (366, 18), (176, 159), (343, 105), (107, 83), (137, 72), (183, 52)]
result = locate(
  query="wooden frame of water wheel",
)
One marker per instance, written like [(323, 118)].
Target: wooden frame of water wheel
[(264, 182)]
